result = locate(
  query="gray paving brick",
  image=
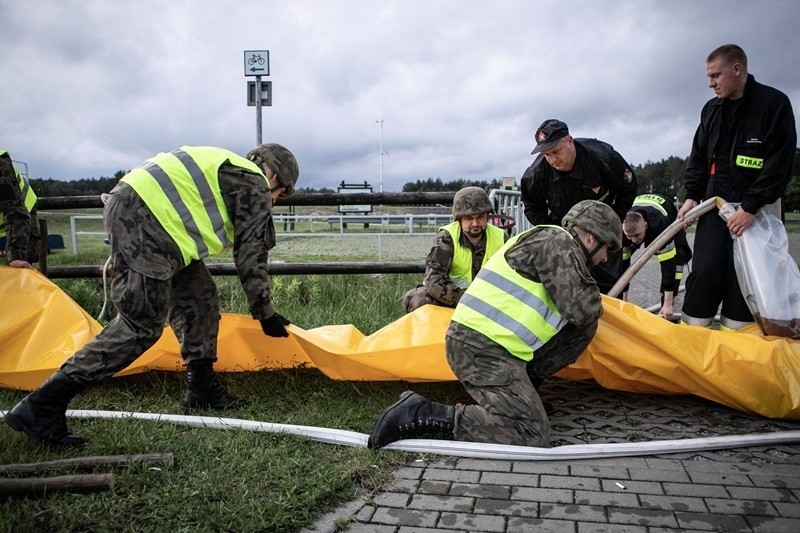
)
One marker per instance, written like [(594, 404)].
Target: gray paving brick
[(694, 489), (758, 493), (789, 510), (507, 507), (541, 467), (673, 503), (403, 485), (472, 522), (641, 517), (640, 487), (404, 517), (615, 499), (715, 478), (541, 526), (712, 522), (442, 503), (789, 470), (445, 463), (485, 465), (773, 525), (434, 487), (408, 472), (569, 482), (542, 495), (408, 529), (481, 490), (594, 527), (608, 472), (664, 464), (468, 476), (623, 462), (651, 474), (391, 499), (777, 481), (745, 507), (673, 530), (507, 478), (365, 513), (588, 513), (355, 527)]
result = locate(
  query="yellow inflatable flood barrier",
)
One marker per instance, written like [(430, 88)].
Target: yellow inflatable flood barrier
[(633, 350)]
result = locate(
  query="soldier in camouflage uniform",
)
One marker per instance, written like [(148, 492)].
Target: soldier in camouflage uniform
[(532, 310), (459, 250), (18, 222), (163, 218)]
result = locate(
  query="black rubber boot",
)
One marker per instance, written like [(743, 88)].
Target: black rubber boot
[(204, 390), (411, 416), (42, 414)]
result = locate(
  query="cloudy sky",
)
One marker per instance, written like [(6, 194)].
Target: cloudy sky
[(90, 87)]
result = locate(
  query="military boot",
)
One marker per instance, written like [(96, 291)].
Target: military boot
[(204, 391), (42, 414), (411, 416)]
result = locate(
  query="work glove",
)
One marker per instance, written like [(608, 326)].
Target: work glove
[(275, 326)]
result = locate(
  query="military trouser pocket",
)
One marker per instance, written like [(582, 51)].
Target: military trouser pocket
[(136, 296), (482, 370)]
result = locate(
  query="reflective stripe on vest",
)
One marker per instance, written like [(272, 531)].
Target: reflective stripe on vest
[(181, 189), (509, 309), (461, 268), (651, 200)]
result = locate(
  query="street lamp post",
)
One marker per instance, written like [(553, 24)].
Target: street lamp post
[(381, 173)]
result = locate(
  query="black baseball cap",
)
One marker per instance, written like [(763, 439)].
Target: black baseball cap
[(549, 133)]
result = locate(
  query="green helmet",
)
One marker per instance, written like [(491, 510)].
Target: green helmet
[(280, 161), (471, 201), (598, 219)]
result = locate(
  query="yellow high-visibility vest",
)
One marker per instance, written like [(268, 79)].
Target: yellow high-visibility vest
[(462, 255), (181, 189), (509, 309)]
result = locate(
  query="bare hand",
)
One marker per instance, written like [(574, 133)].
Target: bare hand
[(687, 206), (19, 263), (740, 221)]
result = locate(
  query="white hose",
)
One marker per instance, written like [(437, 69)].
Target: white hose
[(465, 449)]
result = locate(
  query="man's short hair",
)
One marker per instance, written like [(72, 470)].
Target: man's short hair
[(633, 223), (730, 53)]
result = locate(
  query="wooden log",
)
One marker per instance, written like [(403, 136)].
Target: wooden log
[(85, 463), (380, 198), (275, 269), (39, 486)]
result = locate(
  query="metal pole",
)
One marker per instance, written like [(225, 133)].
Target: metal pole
[(381, 174), (258, 110)]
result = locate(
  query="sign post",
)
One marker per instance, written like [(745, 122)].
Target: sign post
[(256, 63)]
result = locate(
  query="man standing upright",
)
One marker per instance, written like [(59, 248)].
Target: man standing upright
[(742, 151), (569, 170)]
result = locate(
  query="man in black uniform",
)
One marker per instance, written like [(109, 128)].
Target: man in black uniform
[(569, 170), (649, 216), (742, 151)]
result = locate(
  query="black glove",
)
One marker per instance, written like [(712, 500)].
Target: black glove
[(275, 326)]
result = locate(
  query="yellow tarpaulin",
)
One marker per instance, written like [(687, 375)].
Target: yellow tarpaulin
[(633, 350)]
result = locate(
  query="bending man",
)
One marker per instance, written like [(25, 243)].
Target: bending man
[(531, 311)]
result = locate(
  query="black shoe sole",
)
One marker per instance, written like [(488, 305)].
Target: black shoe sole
[(18, 425)]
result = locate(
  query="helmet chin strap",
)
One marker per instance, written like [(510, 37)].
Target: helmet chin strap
[(589, 255)]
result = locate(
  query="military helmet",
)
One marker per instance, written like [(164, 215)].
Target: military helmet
[(598, 219), (471, 201), (279, 160)]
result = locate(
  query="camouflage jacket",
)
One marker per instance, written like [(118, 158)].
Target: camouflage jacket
[(439, 261), (549, 256), (17, 220), (149, 250)]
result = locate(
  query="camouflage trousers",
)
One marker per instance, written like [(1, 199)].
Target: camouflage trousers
[(144, 305), (508, 409), (417, 297)]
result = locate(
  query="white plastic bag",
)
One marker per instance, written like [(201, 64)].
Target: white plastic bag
[(768, 276)]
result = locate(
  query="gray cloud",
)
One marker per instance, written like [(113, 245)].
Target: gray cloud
[(92, 87)]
